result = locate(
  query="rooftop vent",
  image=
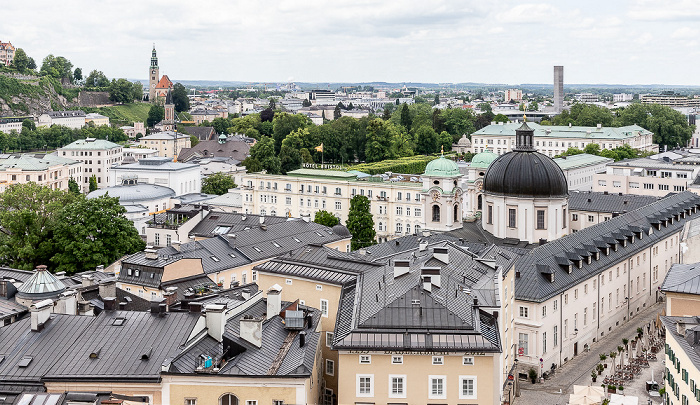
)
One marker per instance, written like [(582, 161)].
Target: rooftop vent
[(294, 319), (401, 267)]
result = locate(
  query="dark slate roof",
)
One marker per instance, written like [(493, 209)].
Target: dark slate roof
[(227, 222), (135, 350), (319, 263), (9, 308), (202, 133), (193, 282), (383, 312), (134, 302), (19, 275), (45, 348), (533, 286), (683, 278), (686, 342), (475, 234), (525, 174), (250, 360), (236, 149), (608, 202)]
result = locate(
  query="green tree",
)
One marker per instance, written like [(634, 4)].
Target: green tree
[(57, 67), (180, 99), (500, 118), (121, 91), (29, 124), (592, 149), (485, 107), (73, 186), (360, 223), (96, 79), (532, 106), (28, 216), (217, 183), (264, 153), (406, 117), (272, 105), (588, 115), (436, 101), (21, 60), (336, 112), (155, 115), (92, 183), (305, 103), (669, 126), (193, 141), (379, 140), (78, 74), (324, 217), (426, 140), (290, 159), (136, 91), (283, 124), (93, 232), (445, 141)]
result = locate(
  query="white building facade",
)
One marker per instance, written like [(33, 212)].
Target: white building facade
[(183, 178), (97, 156)]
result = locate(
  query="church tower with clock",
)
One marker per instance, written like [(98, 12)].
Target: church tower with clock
[(153, 76)]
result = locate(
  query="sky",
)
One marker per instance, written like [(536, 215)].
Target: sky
[(436, 41)]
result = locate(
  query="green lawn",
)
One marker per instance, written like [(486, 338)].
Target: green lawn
[(123, 114)]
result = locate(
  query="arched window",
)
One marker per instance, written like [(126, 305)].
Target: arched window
[(456, 211), (436, 213), (228, 399), (417, 229), (478, 202), (262, 212), (381, 226), (399, 227), (273, 213)]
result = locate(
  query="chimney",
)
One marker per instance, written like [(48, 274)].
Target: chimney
[(216, 321), (87, 281), (599, 126), (122, 306), (151, 254), (7, 289), (100, 268), (362, 251), (441, 254), (680, 328), (40, 314), (245, 293), (422, 245), (162, 309), (155, 305), (251, 330), (401, 267), (175, 244), (67, 303), (108, 287), (302, 339), (170, 296), (274, 301), (195, 307), (85, 308), (110, 303)]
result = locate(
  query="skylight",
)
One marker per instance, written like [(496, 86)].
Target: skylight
[(24, 361), (118, 321), (216, 259), (232, 255), (276, 244), (257, 249)]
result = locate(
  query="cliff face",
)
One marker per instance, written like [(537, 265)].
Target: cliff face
[(29, 95)]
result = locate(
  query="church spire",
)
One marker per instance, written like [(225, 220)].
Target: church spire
[(524, 138), (154, 57)]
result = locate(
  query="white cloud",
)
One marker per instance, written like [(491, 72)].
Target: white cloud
[(685, 33)]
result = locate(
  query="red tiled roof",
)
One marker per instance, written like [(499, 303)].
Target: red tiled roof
[(164, 83)]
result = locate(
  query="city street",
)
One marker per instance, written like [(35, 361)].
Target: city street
[(577, 371)]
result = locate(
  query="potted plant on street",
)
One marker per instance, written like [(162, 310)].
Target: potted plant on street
[(620, 388), (603, 357), (600, 368), (612, 389), (624, 342), (532, 374), (640, 332), (612, 356), (593, 375)]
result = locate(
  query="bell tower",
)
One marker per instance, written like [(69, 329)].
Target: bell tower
[(153, 76)]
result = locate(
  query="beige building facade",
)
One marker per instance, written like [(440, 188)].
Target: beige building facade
[(167, 143), (46, 170), (97, 157)]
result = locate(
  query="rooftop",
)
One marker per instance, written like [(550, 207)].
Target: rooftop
[(164, 135), (90, 144), (135, 192), (552, 131), (689, 340), (683, 278), (608, 202), (157, 164), (33, 161), (580, 160)]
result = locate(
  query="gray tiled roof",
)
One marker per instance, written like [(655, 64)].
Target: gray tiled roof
[(692, 350), (236, 149), (411, 242), (383, 312), (121, 348), (202, 133), (683, 278), (235, 222), (608, 202), (9, 308), (19, 275), (533, 286)]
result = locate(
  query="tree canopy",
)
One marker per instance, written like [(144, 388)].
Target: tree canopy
[(360, 223), (180, 99), (324, 217), (155, 115), (217, 183)]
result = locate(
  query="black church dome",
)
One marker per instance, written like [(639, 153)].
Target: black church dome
[(524, 172)]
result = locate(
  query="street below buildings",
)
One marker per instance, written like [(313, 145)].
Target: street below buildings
[(577, 371)]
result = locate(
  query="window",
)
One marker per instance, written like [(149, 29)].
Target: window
[(157, 239), (544, 342), (489, 217), (563, 220), (436, 213), (365, 359), (338, 205), (540, 219), (251, 402), (330, 367), (288, 281), (523, 312), (397, 386), (324, 308), (190, 401), (511, 217), (416, 212), (436, 387), (329, 339), (228, 399), (544, 311), (438, 360), (277, 402), (556, 335), (522, 342), (399, 196), (467, 361), (399, 210), (365, 386), (555, 305), (396, 359), (467, 387), (399, 227)]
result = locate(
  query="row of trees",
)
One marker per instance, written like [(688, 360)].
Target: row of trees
[(619, 153), (669, 126), (62, 229), (56, 136)]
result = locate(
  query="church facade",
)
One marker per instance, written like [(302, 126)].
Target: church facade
[(158, 87)]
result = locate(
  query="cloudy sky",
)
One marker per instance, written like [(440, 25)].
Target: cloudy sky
[(494, 41)]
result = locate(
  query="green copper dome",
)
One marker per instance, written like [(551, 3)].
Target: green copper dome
[(483, 160), (441, 167)]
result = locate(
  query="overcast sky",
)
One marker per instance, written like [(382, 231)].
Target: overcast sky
[(493, 41)]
